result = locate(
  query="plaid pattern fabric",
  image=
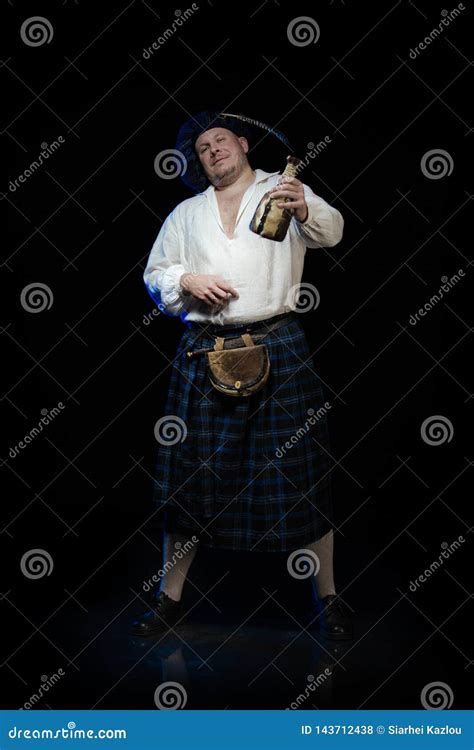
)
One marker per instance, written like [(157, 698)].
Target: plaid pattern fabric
[(225, 474)]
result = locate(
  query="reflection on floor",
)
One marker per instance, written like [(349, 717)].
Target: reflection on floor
[(244, 645)]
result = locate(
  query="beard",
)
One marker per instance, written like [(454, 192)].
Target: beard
[(226, 177), (228, 174)]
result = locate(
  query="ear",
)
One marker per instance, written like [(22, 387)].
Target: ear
[(244, 143)]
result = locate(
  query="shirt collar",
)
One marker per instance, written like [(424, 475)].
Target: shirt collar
[(261, 175)]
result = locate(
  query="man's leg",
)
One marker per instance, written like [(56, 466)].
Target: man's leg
[(178, 554), (165, 609), (324, 550), (333, 619)]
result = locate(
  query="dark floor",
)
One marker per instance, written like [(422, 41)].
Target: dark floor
[(244, 645)]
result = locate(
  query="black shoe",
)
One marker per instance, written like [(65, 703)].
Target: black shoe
[(150, 596), (162, 614), (334, 621)]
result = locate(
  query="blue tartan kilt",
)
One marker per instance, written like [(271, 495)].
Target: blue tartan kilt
[(246, 473)]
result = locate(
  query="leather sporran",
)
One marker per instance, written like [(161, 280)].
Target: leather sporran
[(238, 371)]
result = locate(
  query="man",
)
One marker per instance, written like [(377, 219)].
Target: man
[(225, 478)]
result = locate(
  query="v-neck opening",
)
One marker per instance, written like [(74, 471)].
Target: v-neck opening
[(242, 206)]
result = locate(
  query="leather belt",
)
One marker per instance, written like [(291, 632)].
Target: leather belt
[(268, 324), (265, 326)]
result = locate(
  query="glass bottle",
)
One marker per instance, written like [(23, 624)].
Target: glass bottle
[(269, 220)]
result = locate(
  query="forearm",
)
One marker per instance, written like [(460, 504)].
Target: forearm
[(323, 224)]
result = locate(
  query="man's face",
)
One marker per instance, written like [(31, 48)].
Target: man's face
[(222, 154)]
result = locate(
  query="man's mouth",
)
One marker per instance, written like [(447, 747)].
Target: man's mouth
[(220, 159)]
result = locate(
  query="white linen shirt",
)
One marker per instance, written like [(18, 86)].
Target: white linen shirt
[(264, 272)]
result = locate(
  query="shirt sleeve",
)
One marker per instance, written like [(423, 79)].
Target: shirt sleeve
[(164, 268), (324, 223)]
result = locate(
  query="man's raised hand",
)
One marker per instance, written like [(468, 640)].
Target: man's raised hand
[(293, 189)]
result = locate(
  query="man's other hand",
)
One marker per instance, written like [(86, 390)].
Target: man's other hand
[(211, 289)]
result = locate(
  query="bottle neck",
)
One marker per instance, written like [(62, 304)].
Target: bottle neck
[(289, 171)]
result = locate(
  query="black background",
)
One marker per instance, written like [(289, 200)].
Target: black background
[(84, 223)]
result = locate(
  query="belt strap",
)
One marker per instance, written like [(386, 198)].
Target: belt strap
[(264, 325), (235, 342)]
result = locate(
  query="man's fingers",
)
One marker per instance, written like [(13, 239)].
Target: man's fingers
[(218, 292), (227, 287), (216, 296), (286, 193), (230, 290), (291, 181), (290, 204), (292, 184), (210, 299)]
